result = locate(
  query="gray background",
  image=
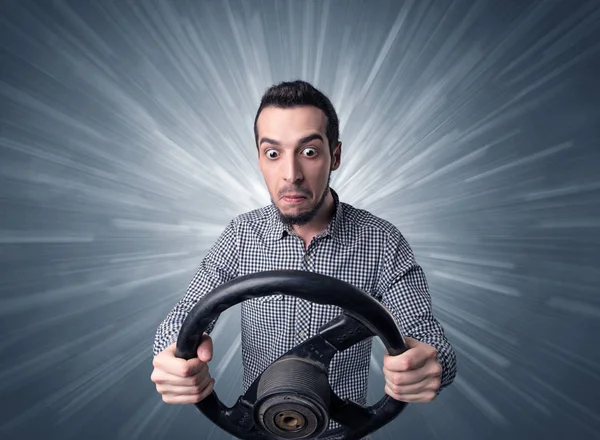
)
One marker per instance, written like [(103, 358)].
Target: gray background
[(126, 145)]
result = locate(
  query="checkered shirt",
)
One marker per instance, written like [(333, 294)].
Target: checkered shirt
[(357, 247)]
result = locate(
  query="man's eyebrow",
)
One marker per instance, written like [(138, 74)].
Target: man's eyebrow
[(304, 140), (309, 138), (269, 141)]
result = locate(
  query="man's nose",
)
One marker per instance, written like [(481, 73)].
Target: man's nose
[(292, 171)]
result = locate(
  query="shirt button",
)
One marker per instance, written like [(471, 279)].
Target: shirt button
[(302, 335)]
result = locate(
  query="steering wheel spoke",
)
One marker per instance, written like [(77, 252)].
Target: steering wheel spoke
[(347, 413), (344, 331), (358, 421), (237, 420)]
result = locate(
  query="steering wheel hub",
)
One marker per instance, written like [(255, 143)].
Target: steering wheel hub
[(293, 399), (290, 420)]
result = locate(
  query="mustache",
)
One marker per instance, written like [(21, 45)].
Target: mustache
[(294, 190)]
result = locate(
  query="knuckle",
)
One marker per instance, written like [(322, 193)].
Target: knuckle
[(211, 386), (202, 373), (201, 385), (185, 370), (202, 380), (206, 391), (155, 377), (386, 362), (397, 379), (394, 395)]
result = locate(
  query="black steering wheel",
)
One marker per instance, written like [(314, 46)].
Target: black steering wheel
[(292, 398)]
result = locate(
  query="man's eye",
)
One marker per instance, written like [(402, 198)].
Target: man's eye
[(272, 154), (310, 152)]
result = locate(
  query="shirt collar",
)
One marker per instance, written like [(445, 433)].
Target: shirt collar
[(336, 228)]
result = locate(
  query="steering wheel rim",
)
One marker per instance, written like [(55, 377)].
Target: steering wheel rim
[(362, 317)]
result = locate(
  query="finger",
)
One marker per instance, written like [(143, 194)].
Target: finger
[(180, 400), (205, 349), (163, 377), (201, 381), (412, 382), (190, 368), (424, 396), (171, 348), (189, 398), (411, 359), (189, 390), (174, 390), (411, 342), (405, 377), (415, 388), (167, 362), (208, 390), (389, 392)]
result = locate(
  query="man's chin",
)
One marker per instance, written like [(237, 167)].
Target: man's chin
[(296, 217), (291, 211)]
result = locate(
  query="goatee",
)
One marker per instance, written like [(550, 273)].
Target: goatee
[(304, 217)]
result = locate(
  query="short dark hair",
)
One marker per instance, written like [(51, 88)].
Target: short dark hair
[(299, 93)]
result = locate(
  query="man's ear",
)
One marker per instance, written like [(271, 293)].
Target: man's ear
[(258, 161), (336, 157)]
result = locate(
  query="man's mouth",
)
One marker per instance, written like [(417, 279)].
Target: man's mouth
[(293, 198)]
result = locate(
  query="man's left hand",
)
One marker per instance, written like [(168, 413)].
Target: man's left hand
[(413, 376)]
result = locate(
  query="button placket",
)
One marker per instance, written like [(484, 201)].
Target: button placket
[(304, 308)]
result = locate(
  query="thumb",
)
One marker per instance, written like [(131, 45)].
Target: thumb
[(205, 349), (411, 342)]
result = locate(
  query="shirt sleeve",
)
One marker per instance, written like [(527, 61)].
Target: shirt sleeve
[(218, 266), (405, 293)]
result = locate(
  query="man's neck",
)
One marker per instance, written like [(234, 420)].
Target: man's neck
[(319, 223)]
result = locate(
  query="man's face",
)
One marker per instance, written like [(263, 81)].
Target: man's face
[(294, 159)]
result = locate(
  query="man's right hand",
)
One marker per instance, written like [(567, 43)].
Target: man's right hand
[(183, 381)]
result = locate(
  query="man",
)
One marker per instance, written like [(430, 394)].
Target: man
[(308, 228)]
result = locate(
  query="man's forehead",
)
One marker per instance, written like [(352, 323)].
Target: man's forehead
[(282, 120)]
